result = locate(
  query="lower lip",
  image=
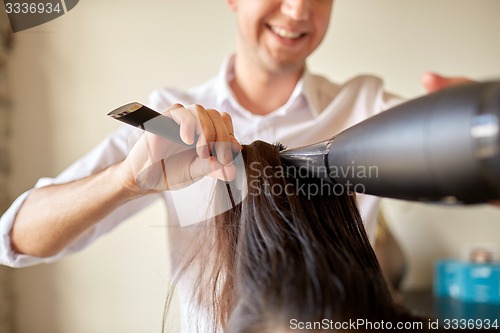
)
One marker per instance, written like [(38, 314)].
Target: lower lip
[(287, 41)]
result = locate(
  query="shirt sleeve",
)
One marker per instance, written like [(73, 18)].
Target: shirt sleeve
[(111, 150)]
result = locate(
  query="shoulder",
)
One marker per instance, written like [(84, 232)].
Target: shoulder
[(368, 90), (366, 83), (353, 100), (363, 81), (373, 89)]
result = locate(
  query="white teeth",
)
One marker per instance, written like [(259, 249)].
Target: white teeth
[(285, 33)]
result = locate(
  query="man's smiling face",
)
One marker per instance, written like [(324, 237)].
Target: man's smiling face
[(281, 34)]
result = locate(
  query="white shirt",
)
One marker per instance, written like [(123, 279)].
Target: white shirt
[(316, 110)]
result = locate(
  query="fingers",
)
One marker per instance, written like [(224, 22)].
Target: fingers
[(211, 167), (160, 164), (215, 130), (226, 118), (216, 135), (433, 82), (223, 142), (186, 120), (208, 134)]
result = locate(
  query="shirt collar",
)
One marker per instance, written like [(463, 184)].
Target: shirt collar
[(226, 74), (305, 88), (310, 90)]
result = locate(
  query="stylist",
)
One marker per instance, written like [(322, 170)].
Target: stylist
[(263, 91)]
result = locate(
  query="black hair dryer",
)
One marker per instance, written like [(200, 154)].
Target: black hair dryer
[(440, 147)]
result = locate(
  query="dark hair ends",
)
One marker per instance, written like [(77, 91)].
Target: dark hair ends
[(282, 255)]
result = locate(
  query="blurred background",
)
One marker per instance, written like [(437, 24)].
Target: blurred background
[(64, 76)]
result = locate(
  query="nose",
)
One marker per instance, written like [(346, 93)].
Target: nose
[(296, 9)]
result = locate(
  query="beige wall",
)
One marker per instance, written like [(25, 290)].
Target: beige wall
[(6, 320), (68, 73)]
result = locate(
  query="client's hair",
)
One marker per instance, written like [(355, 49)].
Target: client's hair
[(288, 255)]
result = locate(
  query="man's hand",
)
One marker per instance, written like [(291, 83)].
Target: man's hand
[(41, 231), (434, 82), (157, 164)]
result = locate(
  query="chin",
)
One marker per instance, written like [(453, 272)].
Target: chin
[(284, 65)]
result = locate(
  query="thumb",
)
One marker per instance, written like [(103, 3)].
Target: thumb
[(202, 167)]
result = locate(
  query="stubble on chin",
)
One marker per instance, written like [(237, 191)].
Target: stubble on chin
[(276, 63)]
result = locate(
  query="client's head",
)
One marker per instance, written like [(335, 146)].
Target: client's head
[(290, 253)]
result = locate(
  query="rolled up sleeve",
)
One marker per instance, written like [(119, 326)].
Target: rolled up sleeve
[(111, 150)]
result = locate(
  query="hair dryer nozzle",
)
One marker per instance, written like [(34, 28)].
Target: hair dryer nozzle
[(310, 161), (440, 147)]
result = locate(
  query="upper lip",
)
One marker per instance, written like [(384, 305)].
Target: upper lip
[(293, 30)]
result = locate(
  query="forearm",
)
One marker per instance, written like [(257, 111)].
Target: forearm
[(54, 216)]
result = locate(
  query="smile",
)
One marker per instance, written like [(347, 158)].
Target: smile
[(286, 33)]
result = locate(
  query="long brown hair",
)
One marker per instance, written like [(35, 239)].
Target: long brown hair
[(286, 254)]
